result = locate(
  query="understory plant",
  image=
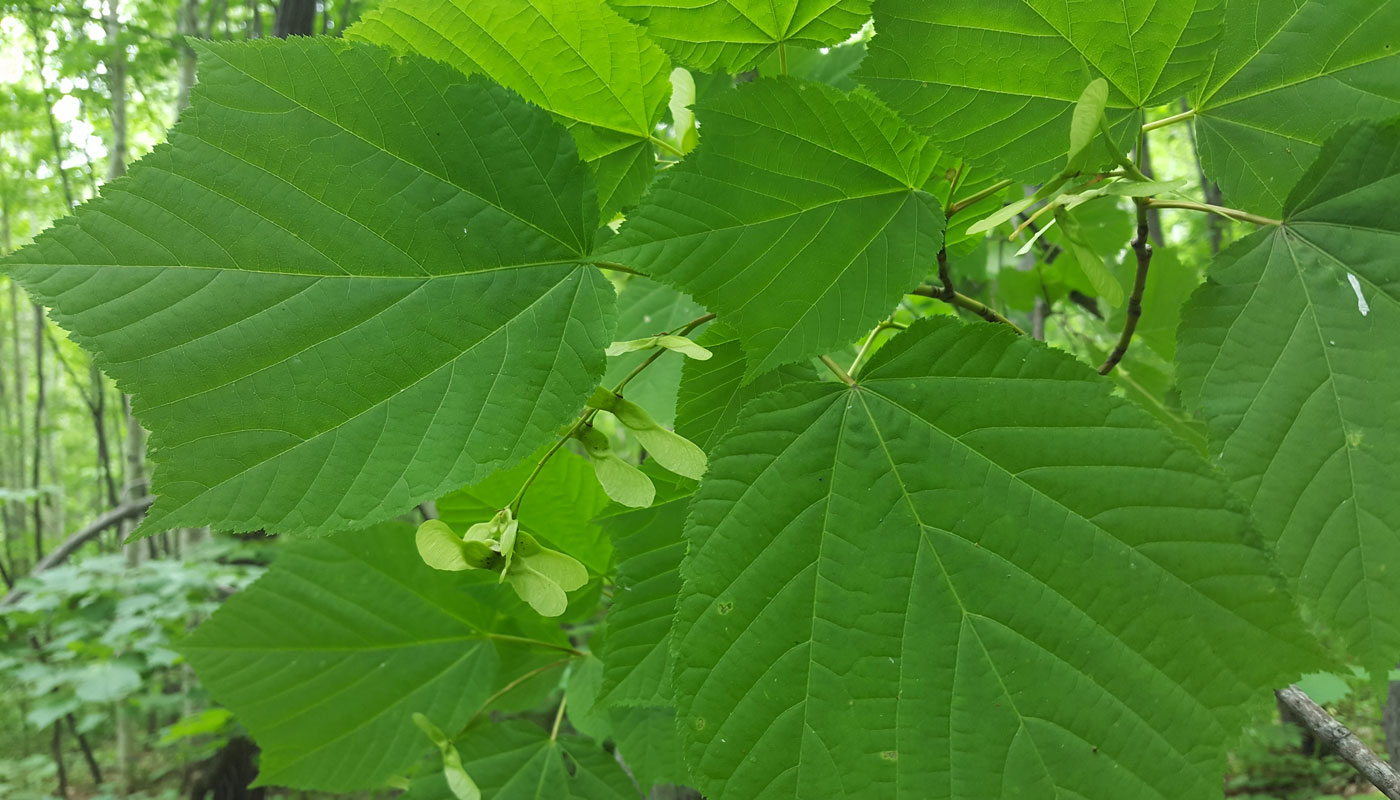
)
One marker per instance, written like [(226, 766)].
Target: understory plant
[(691, 299)]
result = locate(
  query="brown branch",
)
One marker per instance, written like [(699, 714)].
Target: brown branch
[(1341, 740), (1143, 248), (121, 513)]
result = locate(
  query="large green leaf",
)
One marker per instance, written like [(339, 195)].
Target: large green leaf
[(348, 284), (734, 35), (1289, 74), (799, 218), (1289, 352), (596, 72), (977, 574), (518, 760), (997, 83), (635, 650), (327, 656)]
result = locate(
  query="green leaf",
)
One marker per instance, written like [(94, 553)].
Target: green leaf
[(978, 574), (257, 283), (713, 392), (635, 653), (674, 452), (106, 682), (833, 66), (517, 760), (734, 35), (1289, 75), (558, 509), (1084, 125), (650, 745), (808, 201), (442, 548), (998, 83), (1289, 354), (645, 308), (543, 577), (328, 655), (621, 481), (596, 72)]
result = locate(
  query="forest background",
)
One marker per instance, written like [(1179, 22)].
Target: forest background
[(94, 699)]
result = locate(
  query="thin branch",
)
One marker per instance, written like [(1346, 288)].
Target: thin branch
[(964, 302), (1143, 248), (1229, 213), (121, 513), (1341, 741)]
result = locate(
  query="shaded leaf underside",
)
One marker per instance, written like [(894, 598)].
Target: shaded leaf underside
[(976, 575), (1289, 353), (327, 308)]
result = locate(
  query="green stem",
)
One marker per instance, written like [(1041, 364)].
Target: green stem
[(782, 58), (615, 267), (1228, 213), (887, 325), (837, 371), (978, 197), (668, 147), (558, 717), (505, 637), (507, 689), (660, 351), (1172, 120)]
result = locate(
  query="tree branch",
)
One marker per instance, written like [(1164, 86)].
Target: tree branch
[(1143, 248), (121, 513), (965, 302), (1342, 741)]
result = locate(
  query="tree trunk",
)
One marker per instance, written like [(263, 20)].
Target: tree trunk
[(135, 487), (38, 461), (187, 24), (1390, 722), (116, 85), (294, 18)]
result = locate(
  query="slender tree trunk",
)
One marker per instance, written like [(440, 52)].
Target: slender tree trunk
[(1210, 190), (294, 18), (38, 462), (1390, 722), (135, 473), (56, 750), (116, 85), (54, 139), (255, 29), (19, 384), (187, 25)]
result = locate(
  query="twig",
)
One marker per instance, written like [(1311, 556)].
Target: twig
[(965, 302), (1229, 213), (1143, 248), (507, 689), (1341, 740), (978, 197), (614, 267)]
